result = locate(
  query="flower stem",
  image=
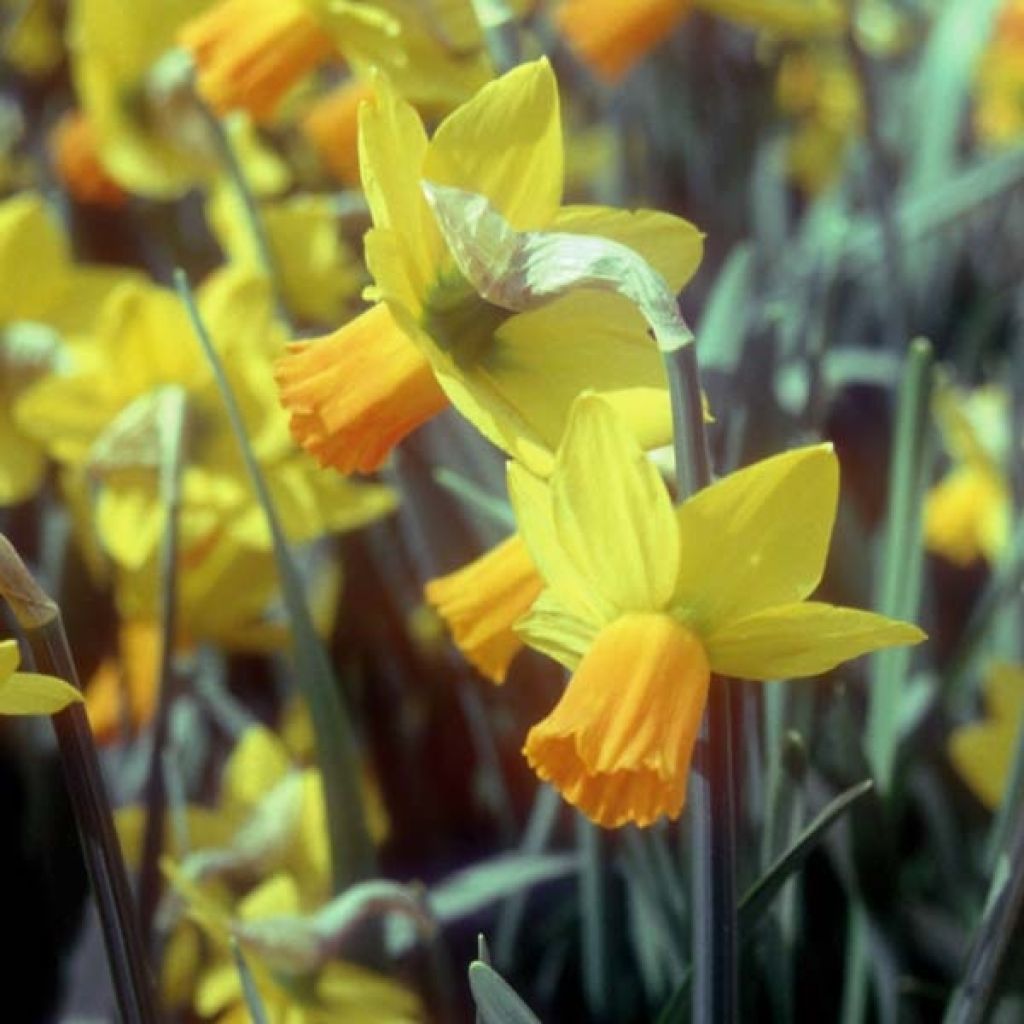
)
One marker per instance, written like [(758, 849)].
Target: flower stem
[(172, 436), (352, 852), (712, 809), (39, 618)]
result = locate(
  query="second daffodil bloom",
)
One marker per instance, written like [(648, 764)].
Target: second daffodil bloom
[(29, 693), (643, 602), (967, 514), (432, 339), (983, 752)]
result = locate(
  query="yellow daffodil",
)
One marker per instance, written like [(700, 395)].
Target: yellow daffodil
[(99, 414), (967, 514), (817, 89), (135, 93), (250, 53), (611, 37), (29, 693), (337, 991), (31, 40), (318, 276), (983, 752), (431, 338), (644, 601), (999, 100), (44, 293), (481, 602), (74, 150)]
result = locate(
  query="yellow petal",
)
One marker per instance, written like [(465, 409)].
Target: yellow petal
[(34, 258), (804, 639), (982, 754), (10, 658), (392, 148), (256, 765), (758, 537), (671, 245), (570, 587), (276, 896), (22, 463), (506, 143), (1004, 692), (28, 693), (551, 628), (612, 513), (585, 341)]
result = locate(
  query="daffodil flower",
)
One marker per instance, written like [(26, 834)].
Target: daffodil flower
[(611, 37), (29, 693), (643, 602), (142, 344), (967, 513), (44, 294), (432, 339), (134, 88), (982, 752), (999, 93)]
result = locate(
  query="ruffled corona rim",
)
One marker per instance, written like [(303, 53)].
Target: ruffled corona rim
[(249, 53), (618, 744), (354, 394), (332, 127), (481, 603), (611, 37), (74, 149)]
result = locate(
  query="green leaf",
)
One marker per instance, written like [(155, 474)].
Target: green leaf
[(496, 1000), (352, 851)]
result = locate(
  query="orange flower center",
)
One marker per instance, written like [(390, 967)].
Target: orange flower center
[(483, 601), (618, 744), (249, 53), (611, 35), (356, 393), (332, 126), (76, 159)]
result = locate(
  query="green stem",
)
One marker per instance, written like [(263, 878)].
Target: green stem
[(711, 794), (39, 618), (594, 934), (899, 594), (172, 438), (352, 852)]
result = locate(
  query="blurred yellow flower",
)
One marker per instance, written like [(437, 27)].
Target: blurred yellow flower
[(999, 100), (44, 293), (135, 92), (983, 752), (644, 601), (431, 338), (29, 693), (318, 275), (331, 124), (611, 37), (99, 414), (74, 151), (31, 36), (967, 514)]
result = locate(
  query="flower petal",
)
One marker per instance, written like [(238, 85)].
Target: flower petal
[(10, 658), (506, 143), (671, 245), (612, 513), (28, 693), (756, 538), (804, 639), (551, 628)]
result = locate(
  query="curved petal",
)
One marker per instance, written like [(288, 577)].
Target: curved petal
[(756, 538), (531, 502), (28, 693), (671, 245), (805, 639), (506, 143), (612, 513), (10, 658), (392, 148), (549, 627)]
